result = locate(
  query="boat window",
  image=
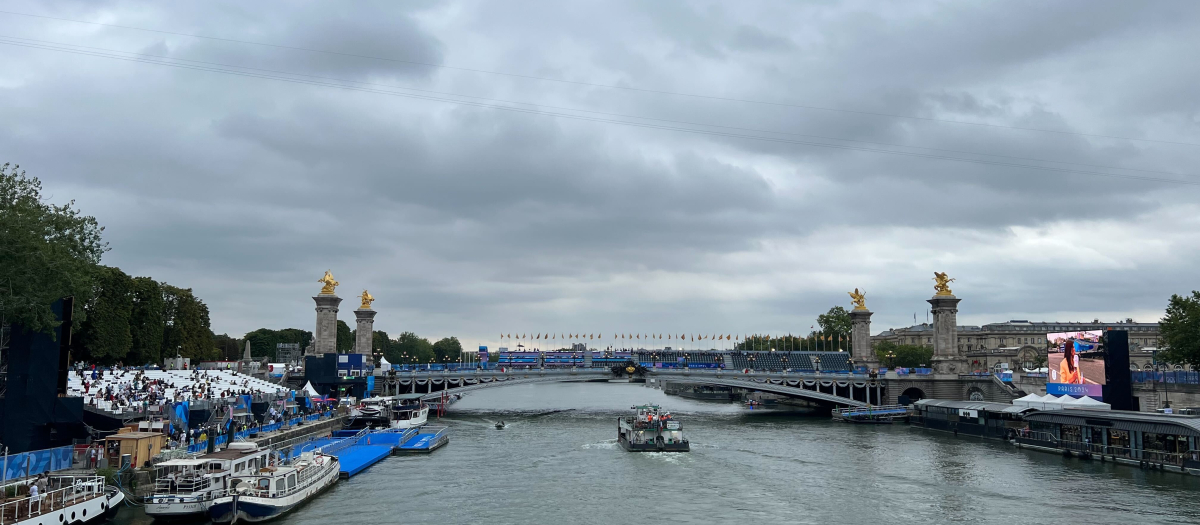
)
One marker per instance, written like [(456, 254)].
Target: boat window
[(279, 488), (264, 484), (291, 481), (237, 467)]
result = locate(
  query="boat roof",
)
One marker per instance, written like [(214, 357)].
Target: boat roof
[(185, 462), (974, 405), (233, 453)]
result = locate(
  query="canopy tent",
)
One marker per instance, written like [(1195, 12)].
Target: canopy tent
[(383, 363), (1087, 403), (309, 390), (1030, 400), (1050, 402)]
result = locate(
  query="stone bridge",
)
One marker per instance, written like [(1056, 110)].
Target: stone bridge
[(826, 389)]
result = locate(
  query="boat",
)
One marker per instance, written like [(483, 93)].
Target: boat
[(651, 430), (271, 492), (67, 499), (186, 487), (500, 425), (871, 415), (400, 412)]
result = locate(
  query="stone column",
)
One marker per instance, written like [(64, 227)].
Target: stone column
[(946, 356), (365, 331), (860, 334), (325, 336)]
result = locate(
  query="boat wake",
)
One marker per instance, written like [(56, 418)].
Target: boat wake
[(610, 444)]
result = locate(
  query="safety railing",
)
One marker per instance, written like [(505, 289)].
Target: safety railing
[(62, 491), (1047, 439), (338, 446), (872, 410)]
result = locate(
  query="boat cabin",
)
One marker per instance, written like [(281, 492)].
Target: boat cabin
[(972, 418), (1122, 436)]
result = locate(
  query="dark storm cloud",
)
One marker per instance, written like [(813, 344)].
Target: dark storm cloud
[(469, 221)]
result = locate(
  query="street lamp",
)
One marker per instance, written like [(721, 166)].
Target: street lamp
[(851, 362), (817, 363), (891, 356), (685, 360)]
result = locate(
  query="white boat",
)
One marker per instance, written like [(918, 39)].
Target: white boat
[(271, 492), (67, 499), (186, 487), (401, 412)]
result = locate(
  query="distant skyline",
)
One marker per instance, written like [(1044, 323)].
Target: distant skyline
[(747, 165)]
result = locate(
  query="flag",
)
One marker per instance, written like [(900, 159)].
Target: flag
[(639, 336)]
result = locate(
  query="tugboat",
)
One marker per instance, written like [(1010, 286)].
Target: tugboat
[(270, 492), (651, 430)]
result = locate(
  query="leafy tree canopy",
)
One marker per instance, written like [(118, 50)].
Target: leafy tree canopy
[(47, 252), (904, 356), (1180, 329)]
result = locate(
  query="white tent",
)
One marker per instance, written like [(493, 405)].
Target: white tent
[(1030, 400), (1050, 402), (384, 364), (309, 390), (1090, 404)]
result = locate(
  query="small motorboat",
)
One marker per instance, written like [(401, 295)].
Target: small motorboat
[(500, 425)]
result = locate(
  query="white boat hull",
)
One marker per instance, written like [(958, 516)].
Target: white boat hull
[(227, 509), (419, 419), (161, 507)]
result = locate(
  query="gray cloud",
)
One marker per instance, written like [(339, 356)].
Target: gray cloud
[(470, 221)]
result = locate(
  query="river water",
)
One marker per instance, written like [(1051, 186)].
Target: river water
[(566, 467)]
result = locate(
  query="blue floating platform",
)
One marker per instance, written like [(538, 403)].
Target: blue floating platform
[(426, 441), (356, 458)]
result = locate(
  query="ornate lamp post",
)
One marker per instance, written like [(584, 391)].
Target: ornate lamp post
[(685, 360), (891, 356), (817, 363)]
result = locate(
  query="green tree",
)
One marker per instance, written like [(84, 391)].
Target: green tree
[(904, 356), (345, 338), (146, 321), (47, 252), (106, 333), (410, 348), (1180, 329), (187, 331), (228, 348), (447, 349), (835, 322)]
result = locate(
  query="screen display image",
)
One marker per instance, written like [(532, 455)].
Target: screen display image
[(1076, 367)]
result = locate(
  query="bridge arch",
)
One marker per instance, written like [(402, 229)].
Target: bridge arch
[(913, 394)]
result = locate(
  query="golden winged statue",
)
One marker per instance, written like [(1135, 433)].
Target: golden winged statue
[(367, 299), (943, 283), (859, 299), (329, 283)]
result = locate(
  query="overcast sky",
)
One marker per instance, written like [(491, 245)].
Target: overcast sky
[(471, 220)]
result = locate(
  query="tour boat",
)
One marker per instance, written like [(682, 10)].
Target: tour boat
[(401, 412), (186, 487), (651, 430), (271, 492), (67, 499)]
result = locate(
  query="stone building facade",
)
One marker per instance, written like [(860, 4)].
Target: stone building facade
[(1018, 343)]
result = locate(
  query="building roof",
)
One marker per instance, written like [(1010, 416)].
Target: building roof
[(973, 405), (136, 435), (1145, 421)]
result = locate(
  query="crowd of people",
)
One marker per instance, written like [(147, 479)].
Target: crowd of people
[(134, 389)]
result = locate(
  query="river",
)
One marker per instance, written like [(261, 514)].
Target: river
[(566, 468)]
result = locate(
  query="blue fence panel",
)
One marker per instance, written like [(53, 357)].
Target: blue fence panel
[(37, 462), (198, 447)]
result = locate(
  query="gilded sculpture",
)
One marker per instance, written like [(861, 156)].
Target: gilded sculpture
[(329, 283), (942, 283), (367, 299), (859, 299)]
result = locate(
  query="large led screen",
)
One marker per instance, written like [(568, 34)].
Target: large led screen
[(1076, 364)]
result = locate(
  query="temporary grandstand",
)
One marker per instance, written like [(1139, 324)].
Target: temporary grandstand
[(130, 390)]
